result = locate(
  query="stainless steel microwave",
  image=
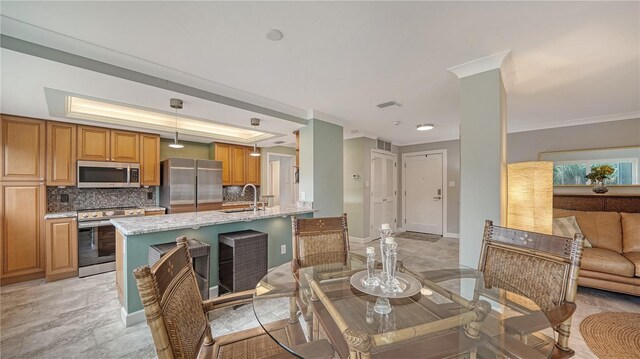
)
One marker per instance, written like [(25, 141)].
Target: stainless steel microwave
[(97, 174)]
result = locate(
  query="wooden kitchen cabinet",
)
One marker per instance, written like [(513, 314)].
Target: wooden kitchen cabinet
[(93, 144), (125, 146), (61, 243), (61, 154), (223, 153), (22, 149), (252, 169), (22, 249), (238, 163), (238, 167), (149, 160)]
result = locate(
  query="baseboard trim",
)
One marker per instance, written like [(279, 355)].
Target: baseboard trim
[(360, 240), (452, 235), (130, 319)]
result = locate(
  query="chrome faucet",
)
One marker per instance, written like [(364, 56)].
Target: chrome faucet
[(255, 195)]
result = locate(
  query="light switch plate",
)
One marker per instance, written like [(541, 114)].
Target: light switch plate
[(283, 249), (302, 196)]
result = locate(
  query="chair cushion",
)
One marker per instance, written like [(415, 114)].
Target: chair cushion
[(603, 229), (606, 261), (568, 227), (635, 259), (630, 232)]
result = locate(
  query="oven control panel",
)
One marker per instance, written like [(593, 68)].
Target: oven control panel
[(93, 215)]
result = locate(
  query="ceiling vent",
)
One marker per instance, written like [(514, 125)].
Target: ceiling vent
[(383, 144), (279, 142), (389, 104)]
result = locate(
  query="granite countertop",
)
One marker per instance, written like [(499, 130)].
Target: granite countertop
[(154, 208), (236, 203), (169, 222), (59, 215)]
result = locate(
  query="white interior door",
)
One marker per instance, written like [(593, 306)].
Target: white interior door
[(383, 191), (423, 197), (274, 169)]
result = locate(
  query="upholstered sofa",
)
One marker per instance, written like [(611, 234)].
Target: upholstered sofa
[(613, 262)]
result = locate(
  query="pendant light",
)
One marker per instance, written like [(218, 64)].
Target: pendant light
[(255, 152), (176, 104)]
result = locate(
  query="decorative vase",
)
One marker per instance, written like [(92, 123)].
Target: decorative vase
[(600, 188)]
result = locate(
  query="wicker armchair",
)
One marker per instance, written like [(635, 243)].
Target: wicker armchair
[(317, 241), (542, 267), (177, 316)]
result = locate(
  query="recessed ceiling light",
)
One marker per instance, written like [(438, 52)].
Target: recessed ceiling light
[(275, 35), (396, 123), (279, 142), (425, 127), (354, 131)]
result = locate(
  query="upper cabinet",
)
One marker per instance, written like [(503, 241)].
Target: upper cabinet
[(238, 161), (103, 144), (238, 168), (149, 160), (93, 144), (223, 153), (125, 146), (61, 154), (22, 149), (252, 172)]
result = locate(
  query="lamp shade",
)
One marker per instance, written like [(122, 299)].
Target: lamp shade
[(530, 196)]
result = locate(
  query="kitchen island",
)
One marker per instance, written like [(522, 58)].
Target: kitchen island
[(135, 235)]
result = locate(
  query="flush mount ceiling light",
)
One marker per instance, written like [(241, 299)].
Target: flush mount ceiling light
[(255, 121), (425, 127), (153, 120), (396, 123), (274, 35), (176, 104), (255, 152)]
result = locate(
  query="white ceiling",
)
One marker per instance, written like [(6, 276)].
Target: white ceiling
[(572, 62)]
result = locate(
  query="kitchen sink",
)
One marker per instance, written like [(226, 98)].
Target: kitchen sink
[(238, 210)]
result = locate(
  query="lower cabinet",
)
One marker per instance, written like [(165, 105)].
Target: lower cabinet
[(22, 252), (61, 248)]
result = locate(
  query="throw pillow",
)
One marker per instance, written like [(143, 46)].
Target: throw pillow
[(568, 227)]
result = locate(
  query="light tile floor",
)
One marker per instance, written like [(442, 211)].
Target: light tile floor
[(80, 318)]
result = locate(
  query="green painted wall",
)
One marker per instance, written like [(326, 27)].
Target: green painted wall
[(321, 171), (137, 249), (197, 150)]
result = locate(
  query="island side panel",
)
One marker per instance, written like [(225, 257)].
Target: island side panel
[(137, 249)]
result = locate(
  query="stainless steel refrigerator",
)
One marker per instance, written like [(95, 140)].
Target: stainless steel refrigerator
[(189, 185)]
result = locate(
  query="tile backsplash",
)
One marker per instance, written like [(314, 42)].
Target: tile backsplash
[(89, 198), (232, 194)]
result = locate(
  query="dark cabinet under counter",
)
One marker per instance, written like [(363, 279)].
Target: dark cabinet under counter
[(242, 260)]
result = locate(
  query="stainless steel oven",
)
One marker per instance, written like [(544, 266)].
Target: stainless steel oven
[(97, 174), (97, 239)]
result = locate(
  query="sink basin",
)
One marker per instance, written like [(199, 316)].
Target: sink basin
[(237, 210)]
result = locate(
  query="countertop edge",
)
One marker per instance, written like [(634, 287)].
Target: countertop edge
[(60, 215), (232, 219)]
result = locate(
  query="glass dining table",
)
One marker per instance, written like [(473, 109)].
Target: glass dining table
[(455, 312)]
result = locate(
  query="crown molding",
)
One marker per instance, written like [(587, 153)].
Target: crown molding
[(483, 64)]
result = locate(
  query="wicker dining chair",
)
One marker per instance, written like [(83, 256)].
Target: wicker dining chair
[(542, 267), (177, 316), (317, 241)]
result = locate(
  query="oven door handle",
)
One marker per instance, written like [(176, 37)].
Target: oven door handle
[(93, 224)]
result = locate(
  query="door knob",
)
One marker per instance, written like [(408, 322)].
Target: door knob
[(438, 198)]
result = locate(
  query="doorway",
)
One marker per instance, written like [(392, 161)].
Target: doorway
[(280, 181), (424, 177), (384, 175)]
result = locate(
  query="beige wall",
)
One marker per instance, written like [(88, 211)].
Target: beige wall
[(525, 146)]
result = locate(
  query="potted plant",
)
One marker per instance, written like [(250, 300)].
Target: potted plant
[(598, 176)]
